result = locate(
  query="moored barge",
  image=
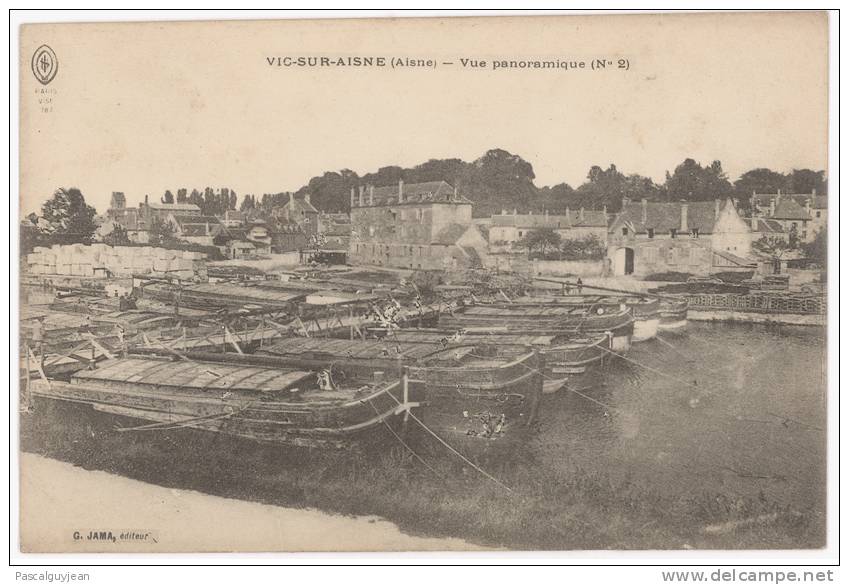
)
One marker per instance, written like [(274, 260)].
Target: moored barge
[(260, 403)]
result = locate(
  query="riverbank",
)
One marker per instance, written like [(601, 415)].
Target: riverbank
[(70, 509), (725, 316)]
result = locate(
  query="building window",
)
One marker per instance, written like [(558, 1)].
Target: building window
[(651, 233), (673, 233), (695, 232), (624, 231), (819, 214)]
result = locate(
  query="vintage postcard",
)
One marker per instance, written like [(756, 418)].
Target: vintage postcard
[(546, 282)]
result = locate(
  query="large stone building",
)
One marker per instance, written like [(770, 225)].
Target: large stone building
[(698, 237), (417, 226)]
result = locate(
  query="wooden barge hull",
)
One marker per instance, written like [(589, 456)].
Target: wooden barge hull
[(483, 405), (673, 314), (482, 409), (646, 312), (219, 406), (620, 325)]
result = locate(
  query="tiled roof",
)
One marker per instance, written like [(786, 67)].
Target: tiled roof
[(591, 218), (300, 202), (196, 219), (433, 191), (663, 217), (450, 234), (816, 201), (766, 225), (733, 258), (788, 209), (173, 206), (200, 229)]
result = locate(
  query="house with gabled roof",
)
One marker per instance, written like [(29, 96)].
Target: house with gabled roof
[(425, 226), (508, 228), (298, 209), (803, 214), (696, 237), (197, 229)]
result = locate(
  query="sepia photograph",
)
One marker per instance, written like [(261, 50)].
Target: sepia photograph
[(466, 283)]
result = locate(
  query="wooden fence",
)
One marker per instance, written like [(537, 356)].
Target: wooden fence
[(760, 303)]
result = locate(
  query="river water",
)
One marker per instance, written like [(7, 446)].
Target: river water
[(719, 409), (738, 410)]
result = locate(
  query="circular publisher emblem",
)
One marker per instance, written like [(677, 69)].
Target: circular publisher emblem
[(44, 64)]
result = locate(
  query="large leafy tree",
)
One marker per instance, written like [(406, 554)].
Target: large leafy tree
[(772, 247), (117, 237), (807, 181), (817, 249), (692, 182), (607, 187), (162, 233), (540, 239), (759, 181), (67, 217)]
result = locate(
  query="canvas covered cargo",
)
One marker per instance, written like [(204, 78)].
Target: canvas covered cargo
[(260, 403)]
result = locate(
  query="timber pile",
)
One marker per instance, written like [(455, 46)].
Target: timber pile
[(101, 260), (222, 296)]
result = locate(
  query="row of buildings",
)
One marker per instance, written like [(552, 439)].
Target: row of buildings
[(430, 226), (238, 234)]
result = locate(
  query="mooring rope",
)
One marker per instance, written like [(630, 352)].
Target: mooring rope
[(401, 440), (541, 373), (649, 368), (455, 451)]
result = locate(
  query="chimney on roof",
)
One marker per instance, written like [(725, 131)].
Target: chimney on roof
[(772, 207), (400, 190), (515, 211), (455, 192), (581, 214), (568, 216), (353, 196), (604, 210), (808, 205), (814, 192), (362, 194), (684, 225), (371, 194), (645, 203), (145, 199), (716, 204)]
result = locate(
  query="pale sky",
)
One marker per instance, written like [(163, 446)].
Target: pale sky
[(145, 108)]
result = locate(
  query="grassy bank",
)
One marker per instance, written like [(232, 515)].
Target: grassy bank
[(546, 509)]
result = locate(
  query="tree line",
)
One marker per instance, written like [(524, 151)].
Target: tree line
[(501, 180)]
